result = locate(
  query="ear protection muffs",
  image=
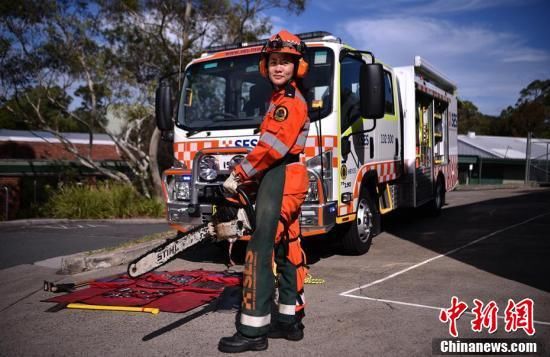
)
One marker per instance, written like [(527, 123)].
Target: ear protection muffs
[(262, 65), (300, 68)]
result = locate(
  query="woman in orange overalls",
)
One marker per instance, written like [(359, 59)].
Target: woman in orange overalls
[(283, 188)]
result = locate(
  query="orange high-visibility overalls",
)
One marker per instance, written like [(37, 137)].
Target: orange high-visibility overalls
[(283, 135)]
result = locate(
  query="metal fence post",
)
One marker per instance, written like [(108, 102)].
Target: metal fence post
[(7, 202), (528, 157), (547, 161)]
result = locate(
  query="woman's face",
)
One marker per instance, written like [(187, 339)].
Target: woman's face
[(281, 68)]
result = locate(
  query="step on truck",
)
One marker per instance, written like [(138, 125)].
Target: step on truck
[(381, 138)]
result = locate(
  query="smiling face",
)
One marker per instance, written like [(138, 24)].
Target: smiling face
[(281, 68)]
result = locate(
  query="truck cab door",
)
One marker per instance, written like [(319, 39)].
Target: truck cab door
[(350, 113)]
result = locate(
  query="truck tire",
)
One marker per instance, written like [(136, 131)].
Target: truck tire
[(439, 197), (358, 235)]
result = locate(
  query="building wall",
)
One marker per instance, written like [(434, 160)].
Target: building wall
[(10, 194), (54, 151), (25, 189), (492, 172)]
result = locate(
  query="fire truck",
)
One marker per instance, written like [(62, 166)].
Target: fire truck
[(380, 138)]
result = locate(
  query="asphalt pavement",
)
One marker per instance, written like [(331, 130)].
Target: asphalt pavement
[(24, 243), (488, 245)]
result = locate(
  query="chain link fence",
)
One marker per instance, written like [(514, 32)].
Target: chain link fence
[(537, 168)]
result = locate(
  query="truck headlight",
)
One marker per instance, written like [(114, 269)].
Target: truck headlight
[(314, 167), (235, 160), (181, 191), (313, 190), (208, 168), (177, 186)]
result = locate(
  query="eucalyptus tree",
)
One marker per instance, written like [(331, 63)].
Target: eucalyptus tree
[(97, 62)]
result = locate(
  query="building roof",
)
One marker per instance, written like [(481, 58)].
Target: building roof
[(44, 136), (500, 147)]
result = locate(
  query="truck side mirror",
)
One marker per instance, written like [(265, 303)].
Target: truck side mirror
[(371, 90), (163, 107)]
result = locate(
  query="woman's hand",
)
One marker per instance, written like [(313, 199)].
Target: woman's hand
[(230, 185)]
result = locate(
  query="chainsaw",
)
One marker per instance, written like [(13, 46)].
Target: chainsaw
[(230, 221)]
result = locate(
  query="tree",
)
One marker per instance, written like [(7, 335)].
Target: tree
[(531, 112), (471, 119), (104, 55), (52, 46), (20, 119), (536, 91), (527, 117)]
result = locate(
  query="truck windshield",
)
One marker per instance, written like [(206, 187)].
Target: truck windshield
[(230, 93)]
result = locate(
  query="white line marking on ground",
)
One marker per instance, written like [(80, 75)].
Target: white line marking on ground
[(487, 236), (445, 254), (76, 226), (424, 306)]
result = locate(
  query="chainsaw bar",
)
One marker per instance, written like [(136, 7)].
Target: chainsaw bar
[(167, 251)]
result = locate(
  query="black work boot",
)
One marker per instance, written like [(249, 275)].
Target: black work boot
[(241, 343), (290, 331)]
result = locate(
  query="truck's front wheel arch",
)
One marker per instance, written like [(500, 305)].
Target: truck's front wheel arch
[(357, 236)]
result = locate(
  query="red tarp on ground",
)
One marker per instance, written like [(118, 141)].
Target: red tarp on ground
[(177, 291)]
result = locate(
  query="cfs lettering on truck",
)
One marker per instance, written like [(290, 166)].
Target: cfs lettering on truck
[(381, 138)]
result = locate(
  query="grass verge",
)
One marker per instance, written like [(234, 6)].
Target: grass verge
[(104, 200)]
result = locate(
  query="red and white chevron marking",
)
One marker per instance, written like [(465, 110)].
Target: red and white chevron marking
[(185, 151), (450, 171), (329, 143), (386, 170)]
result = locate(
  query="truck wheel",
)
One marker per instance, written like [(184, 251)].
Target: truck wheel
[(358, 236), (439, 198)]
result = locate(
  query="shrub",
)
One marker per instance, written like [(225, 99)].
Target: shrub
[(106, 200)]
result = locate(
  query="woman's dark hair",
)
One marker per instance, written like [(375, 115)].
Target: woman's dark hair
[(300, 85)]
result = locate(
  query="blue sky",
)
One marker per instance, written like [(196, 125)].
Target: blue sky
[(490, 48)]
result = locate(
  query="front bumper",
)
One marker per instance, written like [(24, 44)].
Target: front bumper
[(317, 218), (187, 213), (314, 219)]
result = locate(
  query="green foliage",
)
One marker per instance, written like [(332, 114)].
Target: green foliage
[(106, 200), (471, 119), (531, 113), (107, 54), (18, 114), (537, 91)]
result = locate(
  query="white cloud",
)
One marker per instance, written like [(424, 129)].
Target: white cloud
[(528, 55), (432, 6), (327, 6), (453, 6), (489, 67), (280, 23)]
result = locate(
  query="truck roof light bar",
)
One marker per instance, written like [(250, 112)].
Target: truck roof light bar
[(222, 48), (314, 35)]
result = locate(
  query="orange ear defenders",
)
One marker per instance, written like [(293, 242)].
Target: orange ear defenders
[(300, 69)]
